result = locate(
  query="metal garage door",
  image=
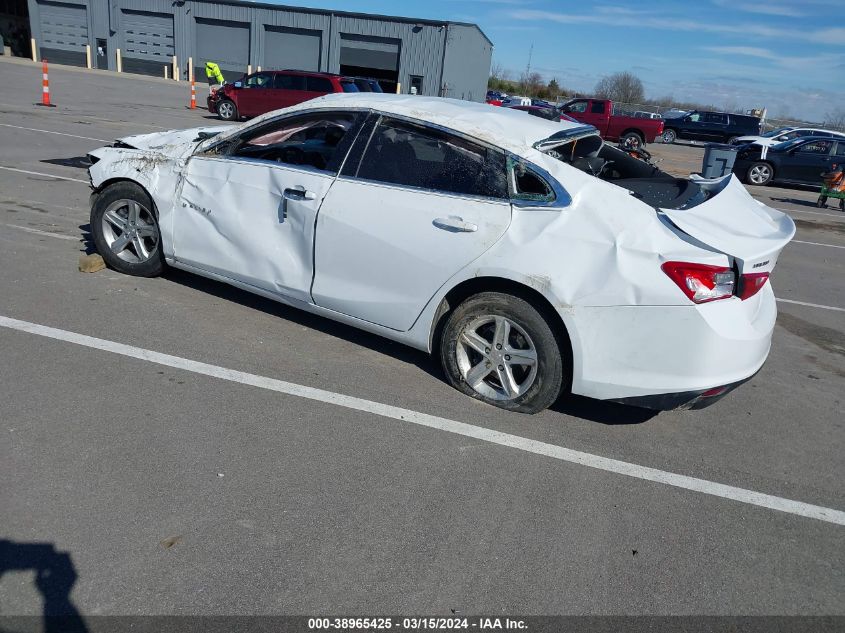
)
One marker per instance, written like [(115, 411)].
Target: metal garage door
[(291, 48), (368, 51), (64, 32), (223, 42), (146, 41)]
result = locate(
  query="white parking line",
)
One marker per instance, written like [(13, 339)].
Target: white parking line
[(606, 464), (38, 173), (34, 129), (841, 216), (59, 236), (817, 244), (812, 305)]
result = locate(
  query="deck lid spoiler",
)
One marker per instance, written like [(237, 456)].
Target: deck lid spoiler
[(565, 136), (733, 222)]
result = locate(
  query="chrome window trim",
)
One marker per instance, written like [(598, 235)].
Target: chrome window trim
[(436, 192)]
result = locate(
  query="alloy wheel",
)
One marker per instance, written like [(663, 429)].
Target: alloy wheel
[(759, 174), (130, 231), (496, 357), (225, 110)]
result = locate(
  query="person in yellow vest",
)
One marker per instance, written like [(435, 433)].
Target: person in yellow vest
[(215, 77)]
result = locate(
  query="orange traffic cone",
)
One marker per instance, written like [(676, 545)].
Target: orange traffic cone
[(45, 87), (193, 95)]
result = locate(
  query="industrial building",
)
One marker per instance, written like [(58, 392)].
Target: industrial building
[(434, 57)]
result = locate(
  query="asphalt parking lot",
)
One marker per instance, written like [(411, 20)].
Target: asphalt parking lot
[(179, 488)]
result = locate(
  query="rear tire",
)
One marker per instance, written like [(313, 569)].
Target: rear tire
[(125, 229), (632, 140), (760, 174), (227, 110), (499, 349), (730, 140), (670, 136)]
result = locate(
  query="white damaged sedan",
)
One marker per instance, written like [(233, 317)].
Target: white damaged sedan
[(525, 254)]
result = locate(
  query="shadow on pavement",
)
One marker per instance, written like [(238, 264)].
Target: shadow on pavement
[(577, 406), (55, 576), (602, 411), (87, 239), (326, 326), (77, 162)]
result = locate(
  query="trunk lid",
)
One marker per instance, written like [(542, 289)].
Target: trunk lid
[(733, 222)]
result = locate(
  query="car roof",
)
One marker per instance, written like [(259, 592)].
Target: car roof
[(511, 129)]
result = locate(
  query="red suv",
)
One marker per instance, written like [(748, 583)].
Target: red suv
[(273, 89)]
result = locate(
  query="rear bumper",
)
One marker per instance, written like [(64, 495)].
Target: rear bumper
[(667, 357), (684, 400)]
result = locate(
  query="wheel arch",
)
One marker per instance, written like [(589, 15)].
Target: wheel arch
[(633, 130), (537, 299), (119, 179)]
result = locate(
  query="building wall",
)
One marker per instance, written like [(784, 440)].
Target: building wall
[(444, 57), (466, 66)]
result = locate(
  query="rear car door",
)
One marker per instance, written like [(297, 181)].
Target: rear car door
[(247, 207), (714, 126), (412, 206), (807, 162), (289, 89)]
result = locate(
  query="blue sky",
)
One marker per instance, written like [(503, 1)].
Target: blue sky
[(786, 55)]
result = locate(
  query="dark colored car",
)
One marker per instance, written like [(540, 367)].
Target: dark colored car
[(800, 161), (365, 84), (721, 127), (269, 90)]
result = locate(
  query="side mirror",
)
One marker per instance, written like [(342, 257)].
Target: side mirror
[(239, 84)]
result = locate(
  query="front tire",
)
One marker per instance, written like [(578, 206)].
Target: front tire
[(821, 203), (670, 136), (760, 174), (125, 229), (499, 349), (227, 110)]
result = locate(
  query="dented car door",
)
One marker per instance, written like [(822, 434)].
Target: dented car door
[(246, 209)]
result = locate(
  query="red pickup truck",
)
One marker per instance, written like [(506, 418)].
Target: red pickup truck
[(599, 113)]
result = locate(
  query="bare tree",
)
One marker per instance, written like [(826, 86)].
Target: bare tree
[(531, 83), (836, 118), (623, 87), (497, 70)]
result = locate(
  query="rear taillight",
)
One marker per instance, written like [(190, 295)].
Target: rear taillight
[(750, 284), (700, 282)]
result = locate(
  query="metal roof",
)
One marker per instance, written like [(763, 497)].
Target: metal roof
[(347, 14)]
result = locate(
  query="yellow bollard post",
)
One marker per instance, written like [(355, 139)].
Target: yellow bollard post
[(191, 69), (166, 71), (119, 60), (33, 49), (176, 68), (88, 56)]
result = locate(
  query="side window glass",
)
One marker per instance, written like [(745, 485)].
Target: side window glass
[(315, 140), (597, 107), (579, 106), (416, 156), (290, 82), (840, 148), (694, 117), (259, 80), (318, 84), (527, 185), (816, 147)]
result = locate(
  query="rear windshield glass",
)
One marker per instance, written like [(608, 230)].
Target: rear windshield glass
[(348, 86)]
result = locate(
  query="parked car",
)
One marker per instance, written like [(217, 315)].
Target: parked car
[(269, 90), (710, 126), (786, 134), (599, 113), (515, 100), (366, 84), (800, 160), (528, 256)]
